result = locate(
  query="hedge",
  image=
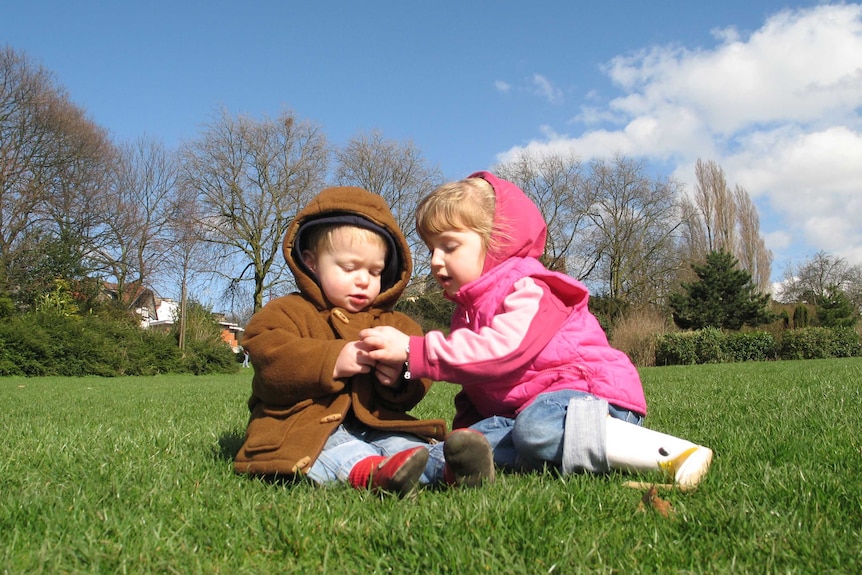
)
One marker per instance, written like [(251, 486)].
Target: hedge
[(711, 345)]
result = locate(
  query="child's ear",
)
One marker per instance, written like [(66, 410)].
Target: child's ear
[(309, 260)]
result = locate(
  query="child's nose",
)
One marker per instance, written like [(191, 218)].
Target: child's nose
[(437, 258)]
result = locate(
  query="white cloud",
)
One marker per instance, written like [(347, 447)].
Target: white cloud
[(591, 115), (537, 85), (777, 240), (502, 86), (801, 66), (778, 109), (814, 178), (543, 87)]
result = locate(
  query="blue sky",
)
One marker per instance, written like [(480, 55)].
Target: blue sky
[(771, 90)]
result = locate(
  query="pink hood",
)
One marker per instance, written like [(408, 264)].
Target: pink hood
[(521, 220)]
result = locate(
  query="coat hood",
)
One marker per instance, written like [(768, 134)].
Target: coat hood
[(357, 207), (518, 223)]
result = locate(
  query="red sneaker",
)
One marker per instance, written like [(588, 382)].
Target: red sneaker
[(398, 473)]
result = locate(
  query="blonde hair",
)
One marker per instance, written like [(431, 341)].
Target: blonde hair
[(463, 205), (320, 237)]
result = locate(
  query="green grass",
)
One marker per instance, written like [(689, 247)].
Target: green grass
[(133, 475)]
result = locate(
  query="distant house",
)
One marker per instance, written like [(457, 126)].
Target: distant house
[(141, 300), (166, 310), (231, 333), (160, 313)]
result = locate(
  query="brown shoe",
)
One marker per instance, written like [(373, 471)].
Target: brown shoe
[(469, 459)]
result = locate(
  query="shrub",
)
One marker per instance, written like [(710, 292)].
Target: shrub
[(24, 347), (48, 343), (7, 306), (637, 335), (711, 345), (202, 358), (846, 342), (819, 343), (676, 349), (750, 346)]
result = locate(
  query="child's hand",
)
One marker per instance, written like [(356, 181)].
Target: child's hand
[(388, 374), (352, 359), (385, 344)]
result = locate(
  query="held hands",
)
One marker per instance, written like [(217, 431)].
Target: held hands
[(355, 357), (386, 344), (388, 347), (352, 359), (387, 374)]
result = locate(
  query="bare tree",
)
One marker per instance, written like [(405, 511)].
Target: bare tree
[(716, 206), (250, 177), (135, 239), (186, 254), (718, 219), (24, 139), (554, 183), (395, 170), (751, 251), (635, 221), (73, 205), (54, 163), (812, 280)]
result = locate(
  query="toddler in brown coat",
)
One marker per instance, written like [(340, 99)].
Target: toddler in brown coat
[(319, 407)]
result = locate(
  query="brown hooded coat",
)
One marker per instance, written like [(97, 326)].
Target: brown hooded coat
[(293, 343)]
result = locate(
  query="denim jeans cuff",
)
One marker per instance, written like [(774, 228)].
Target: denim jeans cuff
[(584, 440)]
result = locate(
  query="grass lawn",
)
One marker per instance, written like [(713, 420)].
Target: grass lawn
[(133, 475)]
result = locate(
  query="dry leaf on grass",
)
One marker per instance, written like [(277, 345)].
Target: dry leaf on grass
[(652, 501)]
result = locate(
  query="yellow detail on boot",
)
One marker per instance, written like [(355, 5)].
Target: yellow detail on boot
[(688, 468)]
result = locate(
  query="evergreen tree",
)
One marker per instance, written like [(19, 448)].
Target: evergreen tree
[(800, 316), (723, 297), (836, 310)]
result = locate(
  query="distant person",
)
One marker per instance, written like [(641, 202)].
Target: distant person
[(245, 358), (537, 374), (320, 406)]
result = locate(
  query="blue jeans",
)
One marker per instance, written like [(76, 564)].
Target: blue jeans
[(350, 444), (535, 436)]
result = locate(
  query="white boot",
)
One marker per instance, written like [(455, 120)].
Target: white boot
[(631, 447)]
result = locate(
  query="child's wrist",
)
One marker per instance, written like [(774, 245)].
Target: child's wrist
[(407, 361)]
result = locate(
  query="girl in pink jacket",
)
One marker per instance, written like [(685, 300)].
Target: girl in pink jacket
[(538, 377)]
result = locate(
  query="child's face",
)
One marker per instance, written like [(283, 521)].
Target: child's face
[(349, 273), (457, 258)]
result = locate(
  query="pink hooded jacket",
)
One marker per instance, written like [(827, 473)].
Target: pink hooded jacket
[(521, 330)]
